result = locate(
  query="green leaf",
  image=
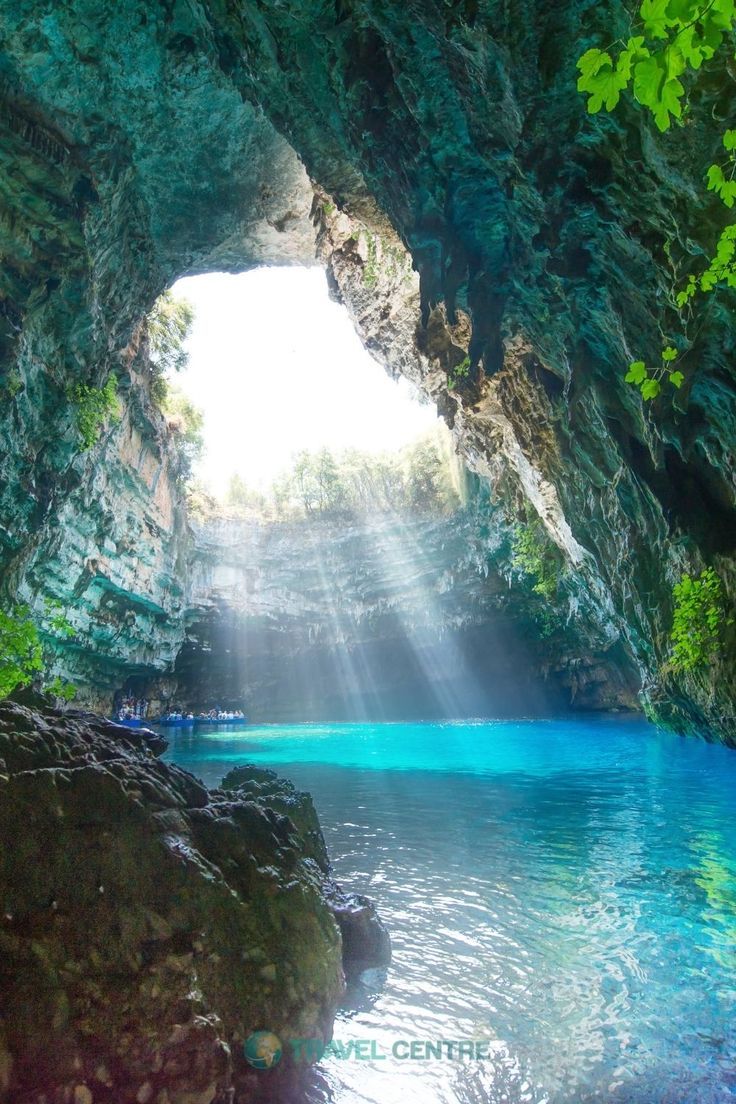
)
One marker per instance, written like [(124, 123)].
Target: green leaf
[(715, 178), (726, 189), (708, 280), (634, 51), (654, 15), (648, 77), (725, 249), (600, 80), (637, 373), (676, 379), (720, 13), (683, 10), (591, 61), (687, 292), (656, 85), (671, 104), (650, 389), (669, 353), (694, 47), (729, 140)]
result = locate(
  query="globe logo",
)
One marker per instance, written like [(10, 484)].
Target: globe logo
[(262, 1050)]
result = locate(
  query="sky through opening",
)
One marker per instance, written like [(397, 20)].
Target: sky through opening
[(276, 367)]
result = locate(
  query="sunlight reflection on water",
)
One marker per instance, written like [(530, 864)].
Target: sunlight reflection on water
[(563, 889)]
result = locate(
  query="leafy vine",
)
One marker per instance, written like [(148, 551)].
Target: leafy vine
[(674, 38)]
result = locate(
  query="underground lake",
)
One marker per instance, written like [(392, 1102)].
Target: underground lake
[(559, 890)]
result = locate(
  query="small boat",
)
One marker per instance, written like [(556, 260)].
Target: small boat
[(189, 722), (220, 720), (129, 722)]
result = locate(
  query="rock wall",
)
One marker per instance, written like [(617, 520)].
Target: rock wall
[(146, 140), (114, 556), (384, 617)]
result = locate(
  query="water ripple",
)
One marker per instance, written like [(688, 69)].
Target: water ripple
[(568, 896)]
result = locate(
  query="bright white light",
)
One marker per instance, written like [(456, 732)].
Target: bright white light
[(276, 366)]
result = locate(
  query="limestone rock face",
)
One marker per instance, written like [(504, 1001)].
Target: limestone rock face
[(150, 925), (113, 556), (382, 618), (147, 140)]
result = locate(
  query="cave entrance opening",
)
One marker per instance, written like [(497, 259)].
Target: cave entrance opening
[(278, 371), (330, 578)]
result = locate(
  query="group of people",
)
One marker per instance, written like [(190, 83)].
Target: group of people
[(212, 715), (222, 715), (132, 709)]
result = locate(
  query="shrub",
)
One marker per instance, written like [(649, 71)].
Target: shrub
[(21, 650), (698, 621), (168, 326), (185, 422), (532, 554), (21, 658), (95, 405), (459, 373), (61, 689)]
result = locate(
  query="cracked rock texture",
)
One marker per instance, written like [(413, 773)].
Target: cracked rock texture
[(154, 138), (149, 925)]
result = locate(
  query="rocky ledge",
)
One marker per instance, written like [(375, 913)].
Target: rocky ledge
[(149, 925)]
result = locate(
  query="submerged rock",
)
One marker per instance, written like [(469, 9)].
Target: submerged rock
[(148, 925)]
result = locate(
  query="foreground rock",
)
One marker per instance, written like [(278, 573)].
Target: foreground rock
[(148, 925), (365, 941)]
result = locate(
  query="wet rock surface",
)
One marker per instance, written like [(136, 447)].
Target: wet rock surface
[(149, 925), (365, 941)]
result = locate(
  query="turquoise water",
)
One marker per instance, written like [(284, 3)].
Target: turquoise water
[(563, 890)]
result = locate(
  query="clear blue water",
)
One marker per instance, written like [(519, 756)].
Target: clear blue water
[(564, 890)]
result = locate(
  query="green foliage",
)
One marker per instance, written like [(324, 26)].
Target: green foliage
[(56, 621), (459, 373), (317, 482), (370, 268), (185, 422), (21, 658), (721, 269), (649, 381), (417, 480), (677, 36), (241, 498), (95, 406), (201, 503), (673, 40), (698, 621), (168, 326), (534, 555), (60, 689)]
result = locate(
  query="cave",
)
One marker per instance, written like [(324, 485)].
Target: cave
[(429, 798)]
